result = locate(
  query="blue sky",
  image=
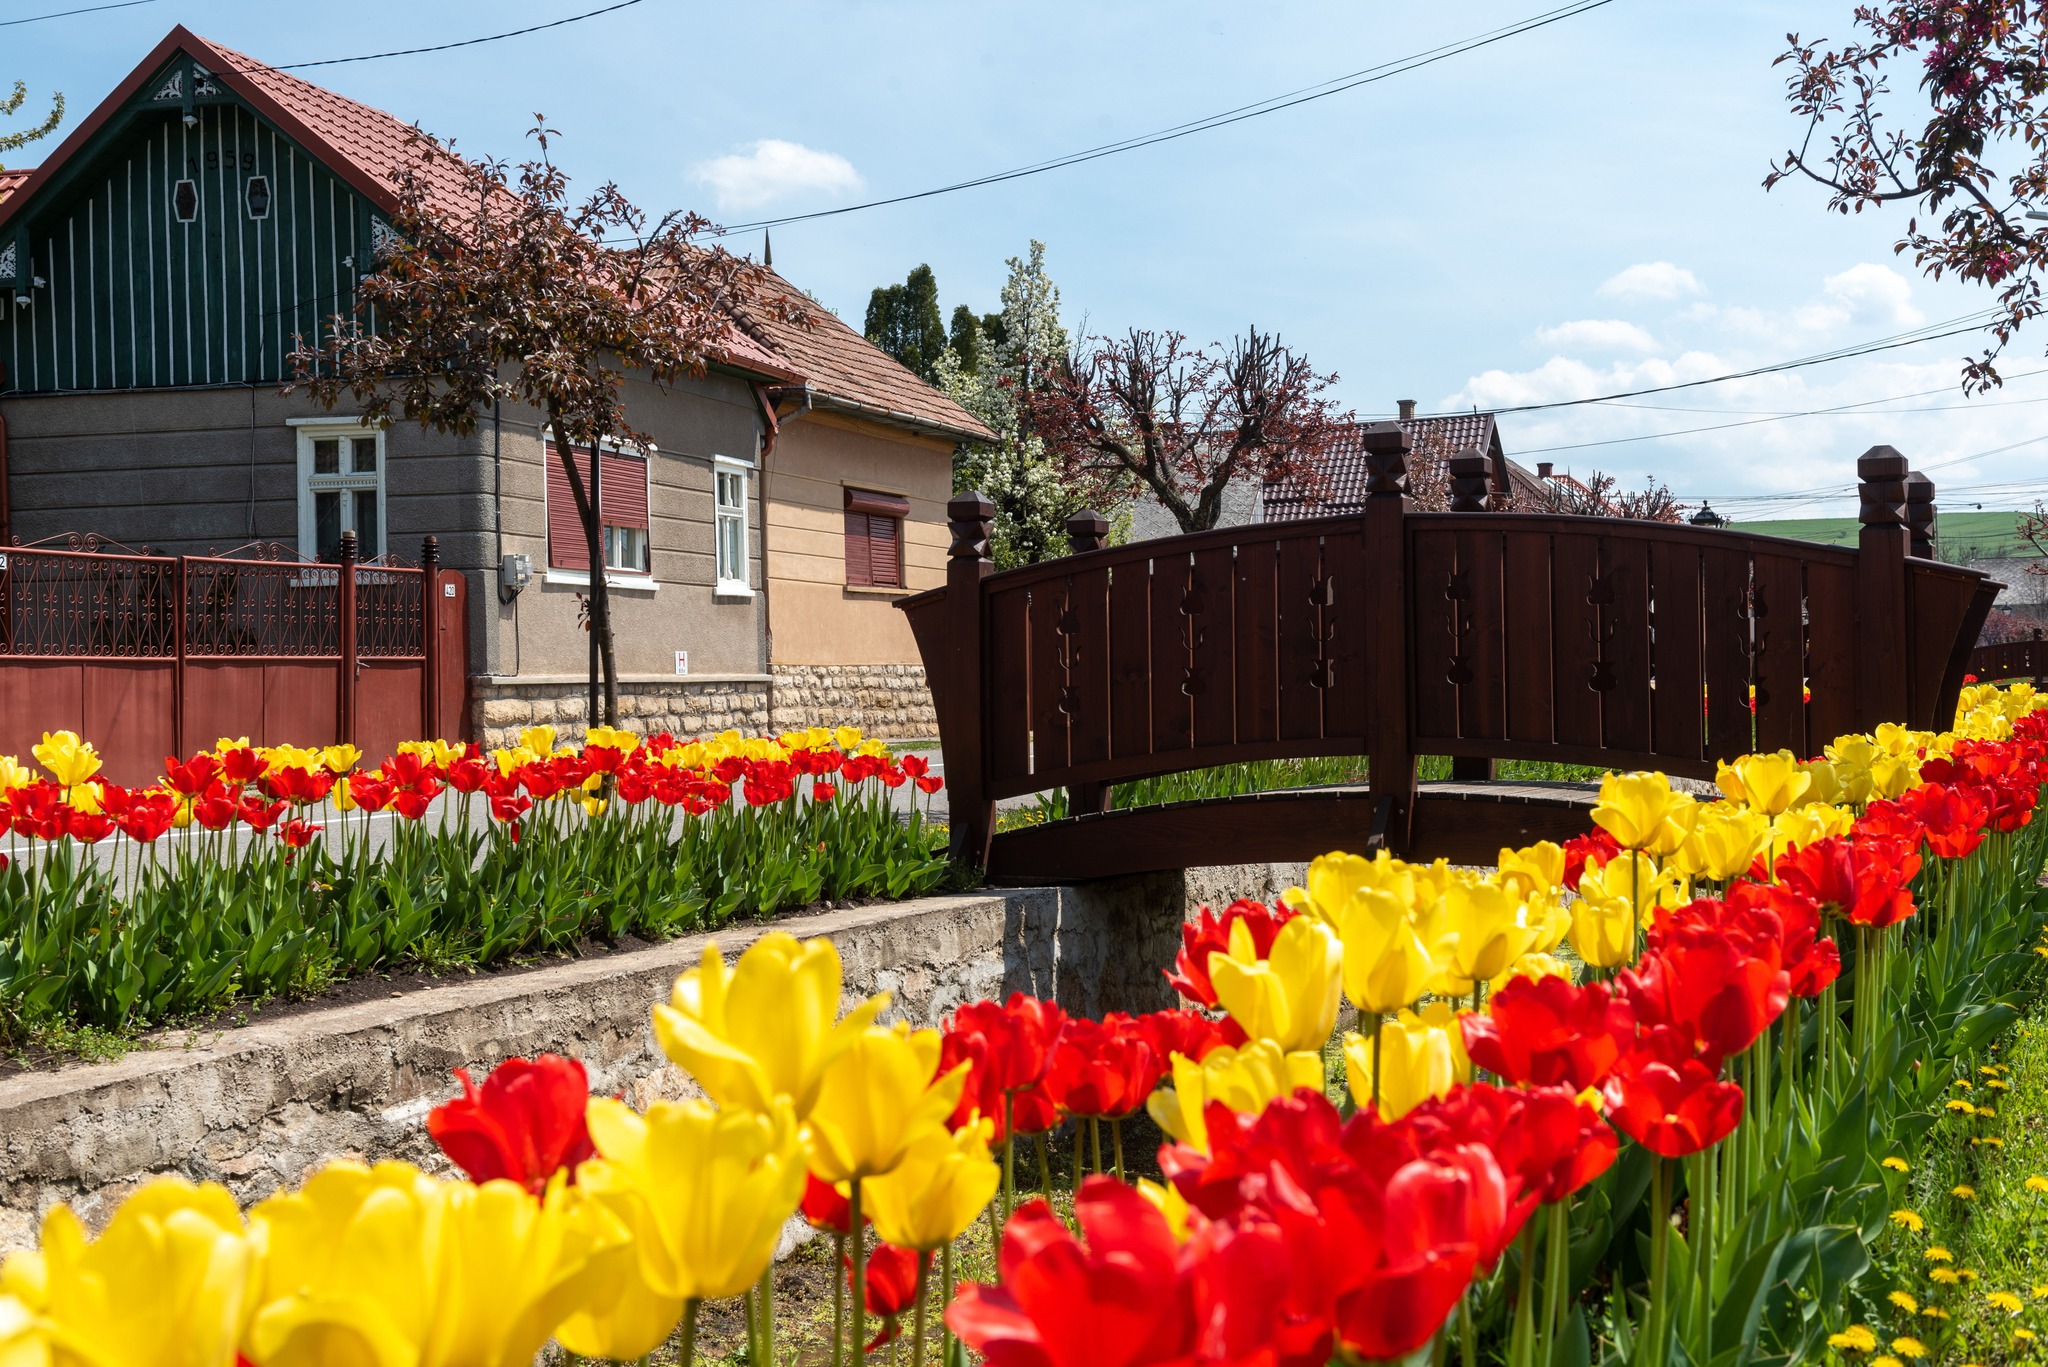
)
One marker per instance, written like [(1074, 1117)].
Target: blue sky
[(1565, 214)]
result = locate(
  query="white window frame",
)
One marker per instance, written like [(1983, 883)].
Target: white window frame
[(724, 586), (310, 430), (632, 581)]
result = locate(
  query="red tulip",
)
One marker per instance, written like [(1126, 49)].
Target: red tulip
[(1811, 960), (1187, 1033), (1103, 1068), (1717, 985), (1955, 816), (1118, 1300), (1594, 848), (298, 834), (191, 778), (1545, 1031), (1862, 879), (525, 1124), (1210, 934), (1670, 1102), (826, 1207), (890, 1287), (1011, 1048), (89, 827), (242, 765)]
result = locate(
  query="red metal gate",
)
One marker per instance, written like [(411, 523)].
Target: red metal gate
[(148, 656)]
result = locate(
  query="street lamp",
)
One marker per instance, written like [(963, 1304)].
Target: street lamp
[(1707, 517)]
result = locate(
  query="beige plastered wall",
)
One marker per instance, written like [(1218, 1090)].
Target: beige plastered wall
[(675, 607), (816, 617)]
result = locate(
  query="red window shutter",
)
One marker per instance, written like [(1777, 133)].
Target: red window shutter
[(884, 551), (625, 490), (859, 555), (567, 549)]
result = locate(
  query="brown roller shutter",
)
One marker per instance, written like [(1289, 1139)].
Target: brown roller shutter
[(625, 490), (859, 557), (885, 559), (567, 549)]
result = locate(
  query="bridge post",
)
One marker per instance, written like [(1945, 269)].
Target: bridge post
[(1390, 764), (1920, 514), (1087, 531), (1881, 549), (1471, 487), (958, 694)]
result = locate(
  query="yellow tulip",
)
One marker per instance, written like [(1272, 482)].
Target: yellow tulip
[(1891, 775), (1532, 967), (226, 743), (71, 761), (1489, 930), (165, 1285), (385, 1265), (877, 1099), (1767, 783), (1603, 927), (1387, 964), (1244, 1079), (1550, 919), (1823, 785), (1633, 808), (539, 739), (765, 1027), (611, 738), (1291, 996), (705, 1193), (1803, 825), (1533, 868), (1633, 880), (13, 775), (1422, 1055), (1165, 1196), (935, 1193), (847, 737), (1724, 842)]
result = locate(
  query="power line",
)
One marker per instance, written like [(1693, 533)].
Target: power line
[(1273, 104), (445, 47), (67, 13), (1975, 322)]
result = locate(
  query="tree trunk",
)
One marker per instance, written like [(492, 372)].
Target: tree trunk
[(603, 696)]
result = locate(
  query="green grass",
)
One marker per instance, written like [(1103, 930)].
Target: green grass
[(1969, 1183), (1966, 535)]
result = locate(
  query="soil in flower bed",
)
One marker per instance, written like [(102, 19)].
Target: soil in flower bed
[(52, 1047)]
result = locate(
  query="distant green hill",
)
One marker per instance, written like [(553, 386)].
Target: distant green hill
[(1959, 536)]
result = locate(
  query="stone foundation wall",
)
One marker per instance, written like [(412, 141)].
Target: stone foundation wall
[(257, 1108), (890, 701), (682, 708)]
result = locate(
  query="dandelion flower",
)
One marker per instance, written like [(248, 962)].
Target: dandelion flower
[(2023, 1335), (1987, 1111), (1909, 1348), (1906, 1219), (1886, 1361), (1956, 1103), (2037, 1183), (1933, 1312), (1989, 1070), (2041, 1292), (1962, 1082), (1962, 1191), (1943, 1276), (1966, 1274), (1896, 1164), (1997, 1085), (2004, 1300), (1856, 1339), (1937, 1254), (1905, 1302)]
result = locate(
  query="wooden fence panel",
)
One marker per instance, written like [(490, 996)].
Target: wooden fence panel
[(1432, 575), (1677, 706), (1727, 646), (1300, 597), (1086, 695), (1529, 627), (1624, 631), (1575, 644), (1482, 698), (1130, 660), (1780, 654), (1213, 675), (1256, 659)]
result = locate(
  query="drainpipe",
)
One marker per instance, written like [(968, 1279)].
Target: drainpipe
[(766, 398), (6, 483)]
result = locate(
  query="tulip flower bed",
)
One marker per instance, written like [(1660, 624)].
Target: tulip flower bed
[(1690, 1140), (252, 872)]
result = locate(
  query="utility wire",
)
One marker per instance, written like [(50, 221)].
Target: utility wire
[(1271, 105), (67, 13), (445, 47)]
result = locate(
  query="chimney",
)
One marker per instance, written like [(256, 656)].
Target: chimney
[(1543, 469), (1407, 407)]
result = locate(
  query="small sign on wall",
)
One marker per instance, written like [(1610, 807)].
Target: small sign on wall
[(682, 662)]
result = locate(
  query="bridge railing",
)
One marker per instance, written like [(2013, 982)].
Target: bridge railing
[(1393, 633)]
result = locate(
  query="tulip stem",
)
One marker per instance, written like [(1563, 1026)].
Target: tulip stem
[(1468, 1336), (1379, 1026), (1660, 1234), (857, 1350), (945, 1301), (838, 1297), (917, 1322), (1558, 1293), (1009, 1154), (1116, 1136), (689, 1354), (768, 1314), (1095, 1138), (1521, 1336), (1044, 1167)]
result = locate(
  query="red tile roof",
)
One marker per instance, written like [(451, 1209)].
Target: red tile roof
[(846, 370), (365, 146), (1434, 440)]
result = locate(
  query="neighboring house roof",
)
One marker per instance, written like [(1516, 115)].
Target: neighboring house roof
[(1433, 441), (844, 370), (10, 181)]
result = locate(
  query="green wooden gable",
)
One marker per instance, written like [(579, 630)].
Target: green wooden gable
[(188, 244)]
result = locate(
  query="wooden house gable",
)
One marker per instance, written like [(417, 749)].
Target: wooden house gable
[(190, 243)]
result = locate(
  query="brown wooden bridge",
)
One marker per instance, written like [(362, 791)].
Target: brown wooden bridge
[(1392, 634)]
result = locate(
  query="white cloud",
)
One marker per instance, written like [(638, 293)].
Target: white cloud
[(1597, 334), (1875, 292), (771, 170), (1653, 280)]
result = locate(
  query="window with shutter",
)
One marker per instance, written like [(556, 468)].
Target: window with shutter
[(874, 539), (622, 502)]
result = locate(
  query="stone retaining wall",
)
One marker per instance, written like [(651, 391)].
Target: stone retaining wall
[(890, 701), (685, 708), (255, 1108)]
